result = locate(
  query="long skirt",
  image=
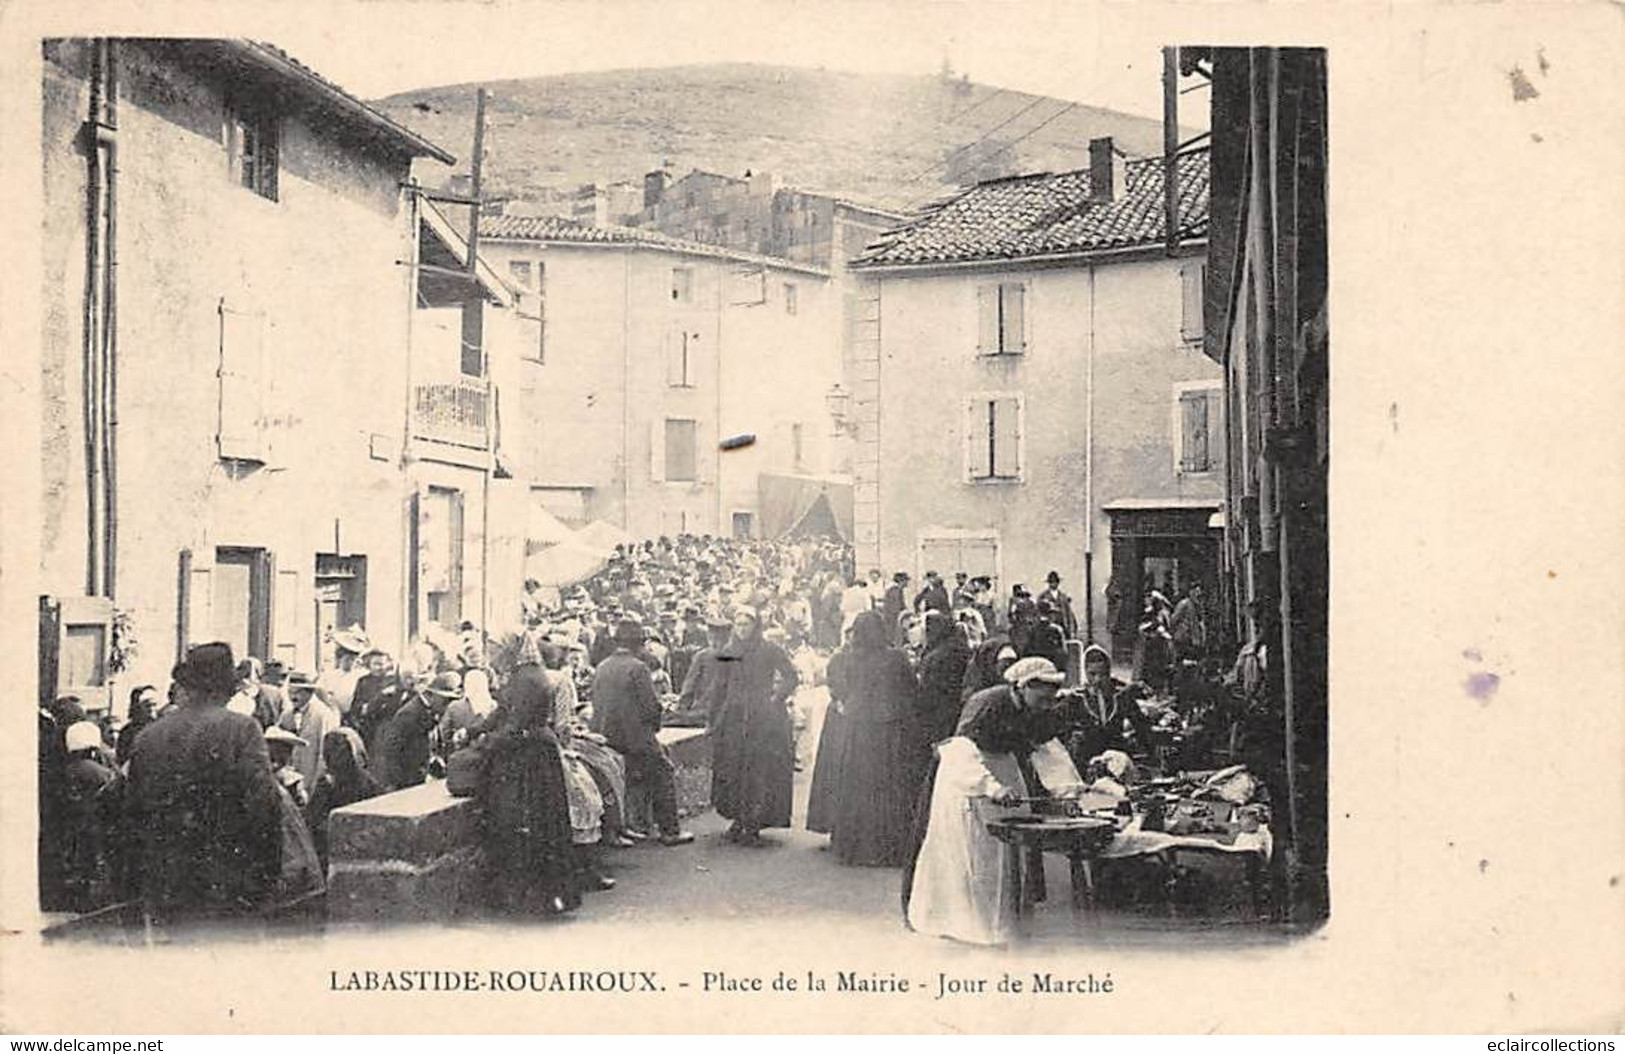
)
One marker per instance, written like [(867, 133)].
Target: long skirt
[(959, 884), (874, 795), (826, 777)]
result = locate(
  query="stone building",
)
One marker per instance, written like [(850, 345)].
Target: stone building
[(667, 376), (228, 405), (1031, 392)]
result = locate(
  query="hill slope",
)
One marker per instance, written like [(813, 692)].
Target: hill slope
[(889, 139)]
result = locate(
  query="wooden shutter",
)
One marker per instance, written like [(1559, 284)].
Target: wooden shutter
[(286, 599), (1192, 276), (1006, 437), (979, 556), (270, 154), (242, 426), (978, 462), (987, 313), (196, 602), (1012, 318), (674, 357), (1193, 436), (657, 450)]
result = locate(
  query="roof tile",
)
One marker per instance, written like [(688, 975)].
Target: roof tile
[(1047, 215)]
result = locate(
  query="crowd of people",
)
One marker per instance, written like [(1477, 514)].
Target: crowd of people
[(218, 801)]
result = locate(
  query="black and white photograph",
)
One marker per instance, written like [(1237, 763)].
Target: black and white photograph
[(857, 511)]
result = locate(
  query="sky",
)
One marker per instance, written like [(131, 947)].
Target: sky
[(1072, 50)]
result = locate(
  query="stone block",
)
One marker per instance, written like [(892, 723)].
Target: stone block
[(417, 826), (375, 891)]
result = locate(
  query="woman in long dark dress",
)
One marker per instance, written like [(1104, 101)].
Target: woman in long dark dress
[(942, 677), (876, 783), (753, 746), (525, 806), (826, 778), (345, 782)]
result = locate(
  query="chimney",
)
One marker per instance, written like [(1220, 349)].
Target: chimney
[(654, 187), (761, 184), (1107, 178)]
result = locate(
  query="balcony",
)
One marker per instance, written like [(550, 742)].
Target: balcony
[(454, 413)]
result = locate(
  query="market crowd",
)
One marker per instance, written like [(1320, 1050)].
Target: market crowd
[(215, 799)]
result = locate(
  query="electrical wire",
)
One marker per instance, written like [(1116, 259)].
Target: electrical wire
[(980, 139)]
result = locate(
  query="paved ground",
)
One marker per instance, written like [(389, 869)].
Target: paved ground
[(797, 880)]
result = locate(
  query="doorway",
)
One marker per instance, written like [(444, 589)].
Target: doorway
[(341, 599)]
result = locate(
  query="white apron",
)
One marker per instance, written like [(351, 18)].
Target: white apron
[(961, 885)]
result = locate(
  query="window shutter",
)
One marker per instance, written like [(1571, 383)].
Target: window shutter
[(657, 450), (1193, 432), (242, 425), (1192, 276), (1006, 438), (987, 310), (674, 358), (196, 601), (270, 149), (1013, 318), (285, 597), (978, 461)]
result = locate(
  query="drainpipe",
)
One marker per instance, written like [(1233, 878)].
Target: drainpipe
[(1089, 474), (409, 556), (107, 139), (90, 325)]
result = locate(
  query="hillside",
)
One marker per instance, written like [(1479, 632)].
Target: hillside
[(889, 139)]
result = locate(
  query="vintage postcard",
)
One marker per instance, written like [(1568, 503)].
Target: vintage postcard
[(814, 517)]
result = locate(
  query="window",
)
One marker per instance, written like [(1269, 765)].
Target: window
[(744, 525), (519, 271), (1002, 326), (682, 350), (241, 434), (993, 447), (682, 284), (680, 452), (1192, 281), (747, 286), (1196, 413), (533, 307), (254, 140), (789, 298), (673, 450)]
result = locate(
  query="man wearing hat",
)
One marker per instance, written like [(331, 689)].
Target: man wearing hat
[(403, 745), (309, 718), (626, 712), (934, 597), (1062, 604), (894, 603), (1003, 752), (203, 801)]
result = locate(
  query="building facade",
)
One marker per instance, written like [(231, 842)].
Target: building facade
[(1031, 392), (224, 380), (666, 375)]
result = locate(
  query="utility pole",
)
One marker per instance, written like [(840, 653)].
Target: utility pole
[(474, 353)]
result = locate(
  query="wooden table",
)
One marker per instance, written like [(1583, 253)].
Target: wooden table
[(1080, 839)]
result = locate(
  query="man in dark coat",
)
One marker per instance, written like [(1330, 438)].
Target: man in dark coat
[(934, 597), (752, 735), (942, 678), (1065, 618), (894, 604), (403, 745), (626, 712), (203, 798), (1046, 638), (378, 695)]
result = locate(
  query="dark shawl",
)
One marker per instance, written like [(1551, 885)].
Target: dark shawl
[(524, 804), (752, 737)]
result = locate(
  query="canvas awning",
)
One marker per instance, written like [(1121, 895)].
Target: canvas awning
[(805, 505), (557, 556)]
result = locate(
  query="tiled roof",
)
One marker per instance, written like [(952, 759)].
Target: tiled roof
[(1047, 215), (561, 231), (270, 55)]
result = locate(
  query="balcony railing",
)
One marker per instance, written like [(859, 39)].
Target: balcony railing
[(453, 413)]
